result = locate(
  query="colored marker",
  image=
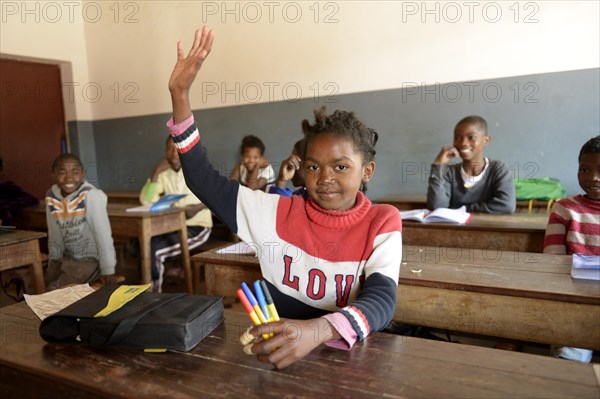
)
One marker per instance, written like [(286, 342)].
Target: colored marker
[(261, 300), (249, 308), (270, 304), (254, 303)]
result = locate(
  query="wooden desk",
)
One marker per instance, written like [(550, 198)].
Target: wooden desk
[(408, 202), (516, 232), (146, 225), (516, 295), (385, 365), (523, 296), (142, 225), (21, 248)]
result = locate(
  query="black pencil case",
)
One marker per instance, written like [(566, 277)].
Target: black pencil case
[(148, 321)]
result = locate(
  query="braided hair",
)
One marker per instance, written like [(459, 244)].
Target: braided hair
[(344, 125)]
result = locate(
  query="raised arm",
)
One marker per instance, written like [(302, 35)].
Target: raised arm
[(185, 72)]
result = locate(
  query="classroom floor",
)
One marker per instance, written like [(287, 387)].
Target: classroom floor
[(127, 265)]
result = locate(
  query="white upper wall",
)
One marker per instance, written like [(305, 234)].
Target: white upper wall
[(282, 50)]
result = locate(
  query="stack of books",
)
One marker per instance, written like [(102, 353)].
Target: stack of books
[(586, 267)]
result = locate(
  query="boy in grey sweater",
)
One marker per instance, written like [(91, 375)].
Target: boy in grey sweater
[(79, 235), (477, 183)]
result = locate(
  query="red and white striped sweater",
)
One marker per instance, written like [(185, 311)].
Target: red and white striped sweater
[(574, 227)]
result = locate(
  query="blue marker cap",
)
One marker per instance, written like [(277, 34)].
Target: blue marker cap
[(261, 298), (249, 294)]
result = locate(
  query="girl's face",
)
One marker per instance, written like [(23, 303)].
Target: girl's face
[(251, 157), (68, 176), (334, 171)]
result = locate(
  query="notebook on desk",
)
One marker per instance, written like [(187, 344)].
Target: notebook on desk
[(440, 215), (165, 202), (586, 267)]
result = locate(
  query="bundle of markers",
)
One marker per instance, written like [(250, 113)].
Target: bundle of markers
[(260, 308)]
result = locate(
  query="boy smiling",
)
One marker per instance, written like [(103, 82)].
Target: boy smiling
[(477, 183)]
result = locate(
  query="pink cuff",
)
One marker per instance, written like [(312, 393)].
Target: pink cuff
[(177, 129), (342, 325)]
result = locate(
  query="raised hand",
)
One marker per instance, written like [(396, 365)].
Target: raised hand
[(187, 68), (185, 72)]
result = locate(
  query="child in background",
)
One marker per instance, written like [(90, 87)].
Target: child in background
[(167, 178), (290, 170), (254, 171), (574, 224), (478, 183), (79, 235), (332, 261)]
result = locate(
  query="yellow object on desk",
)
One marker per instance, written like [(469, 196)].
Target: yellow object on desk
[(120, 297)]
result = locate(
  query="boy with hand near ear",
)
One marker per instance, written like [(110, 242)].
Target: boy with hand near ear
[(478, 183)]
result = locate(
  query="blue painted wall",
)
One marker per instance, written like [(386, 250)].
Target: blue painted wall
[(537, 123)]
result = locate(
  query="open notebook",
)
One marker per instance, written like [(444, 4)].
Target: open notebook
[(165, 202), (440, 215)]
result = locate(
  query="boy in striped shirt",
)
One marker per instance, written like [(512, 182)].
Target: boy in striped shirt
[(574, 224)]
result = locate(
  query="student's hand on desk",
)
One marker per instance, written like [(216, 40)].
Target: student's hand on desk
[(293, 340), (445, 155)]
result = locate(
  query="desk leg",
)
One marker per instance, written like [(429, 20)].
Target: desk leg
[(36, 268), (145, 251), (185, 256)]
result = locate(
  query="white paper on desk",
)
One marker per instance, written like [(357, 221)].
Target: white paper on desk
[(44, 305), (240, 248)]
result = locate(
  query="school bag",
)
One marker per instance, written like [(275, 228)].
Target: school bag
[(149, 321), (541, 189)]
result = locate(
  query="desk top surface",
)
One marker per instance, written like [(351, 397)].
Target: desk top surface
[(535, 222), (384, 365), (120, 210), (12, 236), (521, 274), (113, 210), (416, 199)]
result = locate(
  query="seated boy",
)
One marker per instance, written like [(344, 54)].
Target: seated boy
[(290, 170), (79, 235), (574, 224), (167, 178), (478, 183)]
